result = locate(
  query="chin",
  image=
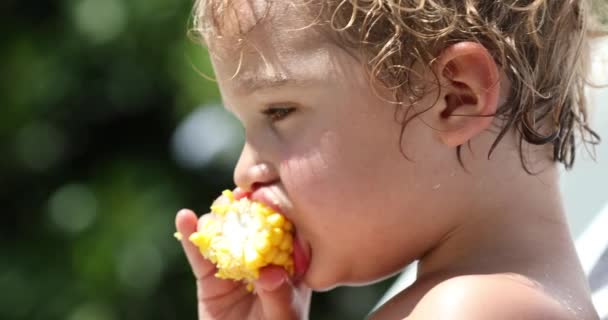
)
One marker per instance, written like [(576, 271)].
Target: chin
[(319, 286), (322, 282), (326, 282)]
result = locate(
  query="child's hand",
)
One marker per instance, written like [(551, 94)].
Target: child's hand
[(276, 297)]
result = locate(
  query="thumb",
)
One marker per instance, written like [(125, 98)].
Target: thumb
[(279, 298)]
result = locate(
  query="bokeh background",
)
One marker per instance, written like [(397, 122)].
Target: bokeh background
[(107, 128)]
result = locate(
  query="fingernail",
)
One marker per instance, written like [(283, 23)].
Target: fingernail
[(273, 284)]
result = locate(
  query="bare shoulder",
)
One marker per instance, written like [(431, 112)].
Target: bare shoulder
[(499, 296)]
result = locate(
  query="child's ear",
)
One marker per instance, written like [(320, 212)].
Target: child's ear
[(469, 93)]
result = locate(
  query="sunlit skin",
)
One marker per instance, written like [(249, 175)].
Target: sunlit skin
[(322, 143)]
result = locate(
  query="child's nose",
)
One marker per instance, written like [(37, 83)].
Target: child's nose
[(251, 171)]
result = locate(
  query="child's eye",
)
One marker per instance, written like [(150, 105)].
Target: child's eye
[(275, 114)]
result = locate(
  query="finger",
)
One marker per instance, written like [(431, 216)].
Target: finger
[(186, 223), (279, 298), (208, 286)]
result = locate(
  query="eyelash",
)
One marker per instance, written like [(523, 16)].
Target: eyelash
[(276, 114)]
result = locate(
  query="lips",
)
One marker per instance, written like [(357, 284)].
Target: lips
[(301, 257), (301, 260)]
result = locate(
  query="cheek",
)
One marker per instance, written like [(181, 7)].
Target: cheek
[(312, 176), (336, 178)]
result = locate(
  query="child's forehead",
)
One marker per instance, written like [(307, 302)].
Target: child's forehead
[(246, 20), (280, 43), (277, 65)]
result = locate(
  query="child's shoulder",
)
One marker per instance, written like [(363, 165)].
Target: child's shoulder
[(473, 297), (495, 296)]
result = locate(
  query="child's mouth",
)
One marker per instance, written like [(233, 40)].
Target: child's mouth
[(301, 259), (301, 256)]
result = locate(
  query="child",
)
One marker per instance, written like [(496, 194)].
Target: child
[(392, 131)]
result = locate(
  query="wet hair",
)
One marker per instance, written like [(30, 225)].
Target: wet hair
[(540, 45)]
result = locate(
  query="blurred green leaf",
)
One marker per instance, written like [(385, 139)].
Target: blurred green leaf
[(92, 93)]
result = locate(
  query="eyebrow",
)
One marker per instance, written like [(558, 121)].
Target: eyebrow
[(250, 84)]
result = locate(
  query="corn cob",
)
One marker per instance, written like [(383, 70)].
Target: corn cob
[(242, 236)]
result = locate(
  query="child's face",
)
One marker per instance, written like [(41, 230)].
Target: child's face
[(334, 164)]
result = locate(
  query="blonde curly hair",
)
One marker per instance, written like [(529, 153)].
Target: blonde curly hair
[(541, 46)]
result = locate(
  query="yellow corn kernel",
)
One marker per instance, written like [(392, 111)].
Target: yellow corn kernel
[(276, 220), (253, 259), (287, 242), (261, 210), (288, 226), (276, 236), (269, 257), (228, 194), (241, 236), (220, 209), (281, 258), (262, 243), (200, 240)]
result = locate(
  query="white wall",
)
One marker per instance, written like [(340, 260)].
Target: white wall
[(585, 188)]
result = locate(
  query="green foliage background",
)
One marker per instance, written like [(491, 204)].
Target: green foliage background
[(91, 93)]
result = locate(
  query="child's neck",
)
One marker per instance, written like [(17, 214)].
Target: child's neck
[(506, 230), (520, 230)]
